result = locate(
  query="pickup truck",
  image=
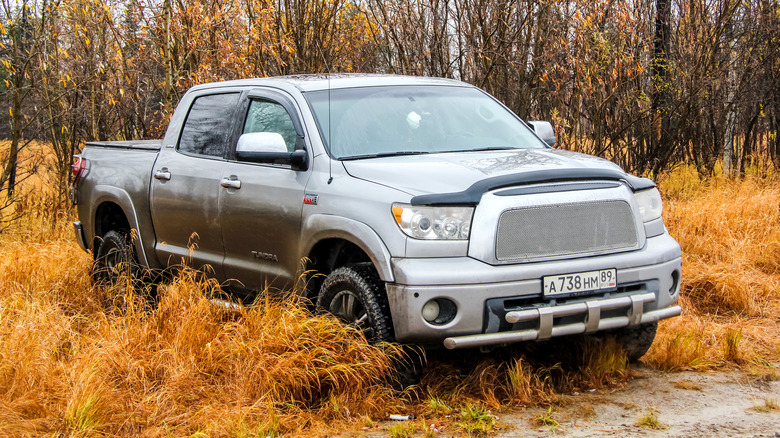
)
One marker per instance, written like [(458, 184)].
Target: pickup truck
[(430, 212)]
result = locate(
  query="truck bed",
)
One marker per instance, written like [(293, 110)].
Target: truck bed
[(122, 169)]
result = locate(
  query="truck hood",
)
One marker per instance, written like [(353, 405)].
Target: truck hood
[(454, 172)]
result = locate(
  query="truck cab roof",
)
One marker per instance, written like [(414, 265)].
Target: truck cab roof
[(318, 82)]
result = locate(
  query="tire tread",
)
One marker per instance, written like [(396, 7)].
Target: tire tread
[(363, 279)]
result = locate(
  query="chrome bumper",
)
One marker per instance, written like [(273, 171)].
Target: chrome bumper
[(589, 310)]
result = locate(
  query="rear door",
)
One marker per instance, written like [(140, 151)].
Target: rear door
[(261, 220), (186, 185)]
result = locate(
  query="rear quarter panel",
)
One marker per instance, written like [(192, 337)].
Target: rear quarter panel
[(121, 176)]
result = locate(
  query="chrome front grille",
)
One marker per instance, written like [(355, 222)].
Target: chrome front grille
[(559, 230)]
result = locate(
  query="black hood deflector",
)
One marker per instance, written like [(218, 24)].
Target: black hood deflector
[(473, 194)]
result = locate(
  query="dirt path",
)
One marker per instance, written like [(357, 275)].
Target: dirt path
[(687, 404)]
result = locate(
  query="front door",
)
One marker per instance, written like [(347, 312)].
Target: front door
[(261, 220)]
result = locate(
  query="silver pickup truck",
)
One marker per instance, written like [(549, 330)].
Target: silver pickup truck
[(433, 213)]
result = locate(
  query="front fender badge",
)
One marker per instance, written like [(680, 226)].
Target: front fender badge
[(310, 199), (265, 256)]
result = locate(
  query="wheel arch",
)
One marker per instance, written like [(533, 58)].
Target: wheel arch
[(334, 241), (114, 209), (109, 216)]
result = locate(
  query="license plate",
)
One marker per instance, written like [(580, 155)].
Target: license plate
[(579, 282)]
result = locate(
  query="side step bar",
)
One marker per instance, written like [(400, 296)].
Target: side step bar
[(590, 310)]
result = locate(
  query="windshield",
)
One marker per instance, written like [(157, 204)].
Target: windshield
[(381, 121)]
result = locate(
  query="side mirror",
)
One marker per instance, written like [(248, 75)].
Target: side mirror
[(270, 147), (261, 142), (544, 130)]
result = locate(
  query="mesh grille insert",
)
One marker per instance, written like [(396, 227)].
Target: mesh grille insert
[(565, 229)]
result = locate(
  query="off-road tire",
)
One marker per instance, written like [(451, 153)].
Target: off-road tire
[(362, 281), (637, 340), (115, 261), (409, 368), (356, 296)]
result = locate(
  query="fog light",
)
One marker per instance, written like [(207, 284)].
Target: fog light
[(430, 311), (675, 283), (439, 311)]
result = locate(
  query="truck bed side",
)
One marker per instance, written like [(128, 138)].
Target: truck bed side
[(147, 145), (115, 192)]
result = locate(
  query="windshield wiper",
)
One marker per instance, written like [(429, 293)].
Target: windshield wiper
[(491, 148), (383, 154)]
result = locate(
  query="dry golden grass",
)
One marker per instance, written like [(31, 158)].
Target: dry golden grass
[(688, 385), (650, 420), (522, 375), (729, 230), (70, 365), (769, 405)]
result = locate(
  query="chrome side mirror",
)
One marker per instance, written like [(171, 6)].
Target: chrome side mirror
[(270, 147), (261, 142), (544, 130)]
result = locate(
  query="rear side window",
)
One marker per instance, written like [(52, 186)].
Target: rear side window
[(208, 126)]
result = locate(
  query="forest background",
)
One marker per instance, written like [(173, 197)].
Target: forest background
[(646, 83)]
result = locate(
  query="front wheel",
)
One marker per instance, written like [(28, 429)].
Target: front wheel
[(637, 340), (355, 295)]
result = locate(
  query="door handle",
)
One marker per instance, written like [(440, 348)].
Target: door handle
[(230, 183), (162, 174)]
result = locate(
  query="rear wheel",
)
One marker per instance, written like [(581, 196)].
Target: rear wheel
[(115, 260)]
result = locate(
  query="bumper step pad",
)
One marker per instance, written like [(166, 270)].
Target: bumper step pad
[(592, 321)]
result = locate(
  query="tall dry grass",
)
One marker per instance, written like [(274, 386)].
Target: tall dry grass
[(526, 374), (69, 365), (729, 231)]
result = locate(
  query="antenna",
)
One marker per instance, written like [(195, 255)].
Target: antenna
[(327, 70)]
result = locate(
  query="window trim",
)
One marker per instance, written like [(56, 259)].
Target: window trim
[(273, 96), (230, 131)]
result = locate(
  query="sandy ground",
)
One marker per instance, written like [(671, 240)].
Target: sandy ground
[(687, 404)]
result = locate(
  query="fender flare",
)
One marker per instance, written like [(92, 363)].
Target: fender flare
[(318, 227), (125, 202)]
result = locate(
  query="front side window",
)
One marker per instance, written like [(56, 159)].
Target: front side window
[(267, 116), (209, 123), (367, 122)]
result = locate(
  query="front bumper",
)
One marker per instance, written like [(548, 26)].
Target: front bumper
[(487, 296), (589, 320)]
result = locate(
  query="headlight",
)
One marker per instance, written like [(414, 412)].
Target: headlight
[(649, 204), (434, 223)]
